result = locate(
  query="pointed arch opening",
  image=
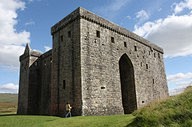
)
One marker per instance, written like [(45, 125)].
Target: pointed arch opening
[(127, 84)]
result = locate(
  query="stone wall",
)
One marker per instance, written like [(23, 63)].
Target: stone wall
[(102, 45), (45, 62)]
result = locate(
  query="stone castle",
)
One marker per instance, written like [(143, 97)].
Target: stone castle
[(95, 65)]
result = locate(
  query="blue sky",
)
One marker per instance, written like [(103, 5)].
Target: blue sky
[(167, 23)]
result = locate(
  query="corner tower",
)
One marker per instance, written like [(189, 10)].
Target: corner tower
[(24, 81), (66, 74), (25, 98)]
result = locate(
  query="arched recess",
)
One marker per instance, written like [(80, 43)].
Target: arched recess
[(127, 84)]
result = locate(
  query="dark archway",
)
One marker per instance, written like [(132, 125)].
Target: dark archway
[(127, 84)]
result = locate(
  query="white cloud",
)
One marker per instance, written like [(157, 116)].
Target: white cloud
[(11, 41), (178, 82), (179, 76), (9, 88), (179, 7), (173, 34), (9, 55), (47, 48), (142, 16)]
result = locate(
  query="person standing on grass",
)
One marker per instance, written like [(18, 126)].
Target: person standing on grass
[(68, 110)]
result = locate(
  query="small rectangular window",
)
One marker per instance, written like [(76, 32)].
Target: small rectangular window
[(112, 40), (147, 66), (63, 84), (102, 87), (125, 44), (153, 81), (69, 34), (135, 47), (61, 38), (98, 34), (154, 55)]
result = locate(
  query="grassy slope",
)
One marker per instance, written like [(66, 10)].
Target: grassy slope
[(174, 112), (8, 103)]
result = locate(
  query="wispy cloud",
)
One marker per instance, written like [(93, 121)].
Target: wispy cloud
[(30, 1), (110, 10), (29, 23), (9, 88), (179, 7), (142, 16)]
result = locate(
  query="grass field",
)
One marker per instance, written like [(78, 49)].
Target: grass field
[(8, 118), (50, 121), (174, 112), (8, 103)]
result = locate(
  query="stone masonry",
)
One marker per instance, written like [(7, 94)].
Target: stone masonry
[(95, 65)]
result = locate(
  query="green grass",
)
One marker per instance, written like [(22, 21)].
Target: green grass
[(174, 112), (50, 121)]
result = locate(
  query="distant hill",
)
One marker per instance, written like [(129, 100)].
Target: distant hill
[(8, 103), (176, 111)]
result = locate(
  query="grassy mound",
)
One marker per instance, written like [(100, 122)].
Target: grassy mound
[(173, 112)]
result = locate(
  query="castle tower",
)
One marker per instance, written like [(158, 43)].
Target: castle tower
[(66, 84), (25, 84)]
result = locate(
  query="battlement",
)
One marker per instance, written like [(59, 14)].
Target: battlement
[(81, 13)]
